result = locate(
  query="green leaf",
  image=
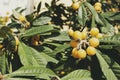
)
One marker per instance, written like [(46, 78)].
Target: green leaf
[(32, 71), (30, 56), (115, 39), (82, 15), (18, 78), (112, 15), (38, 7), (106, 28), (37, 57), (63, 36), (78, 74), (48, 58), (38, 30), (41, 21), (107, 71), (24, 54), (94, 13), (59, 49), (81, 79), (4, 31), (3, 64), (42, 57), (113, 65), (106, 46)]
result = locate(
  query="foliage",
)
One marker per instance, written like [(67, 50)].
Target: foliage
[(37, 46)]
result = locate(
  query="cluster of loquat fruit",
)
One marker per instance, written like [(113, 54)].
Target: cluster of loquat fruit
[(98, 7), (84, 43)]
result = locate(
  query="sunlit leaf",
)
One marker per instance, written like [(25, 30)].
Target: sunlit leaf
[(41, 21), (85, 74), (107, 71), (82, 15), (38, 30), (32, 71)]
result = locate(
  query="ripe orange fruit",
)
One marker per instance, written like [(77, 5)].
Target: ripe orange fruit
[(1, 46), (91, 51), (34, 43), (62, 72), (75, 52), (113, 9), (77, 35), (94, 31), (84, 35), (75, 6), (98, 4), (81, 54), (22, 18), (73, 43), (36, 37), (98, 9), (70, 32), (94, 42), (99, 35)]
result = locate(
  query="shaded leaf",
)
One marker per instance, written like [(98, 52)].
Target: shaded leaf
[(2, 64), (38, 7)]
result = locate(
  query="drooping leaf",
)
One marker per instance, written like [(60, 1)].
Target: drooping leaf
[(38, 30), (59, 49), (82, 15), (42, 57), (112, 15), (30, 56), (24, 54), (31, 71), (113, 65), (94, 13), (115, 39), (85, 74), (106, 28), (107, 71), (37, 57), (63, 36), (3, 64), (41, 21), (48, 58)]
